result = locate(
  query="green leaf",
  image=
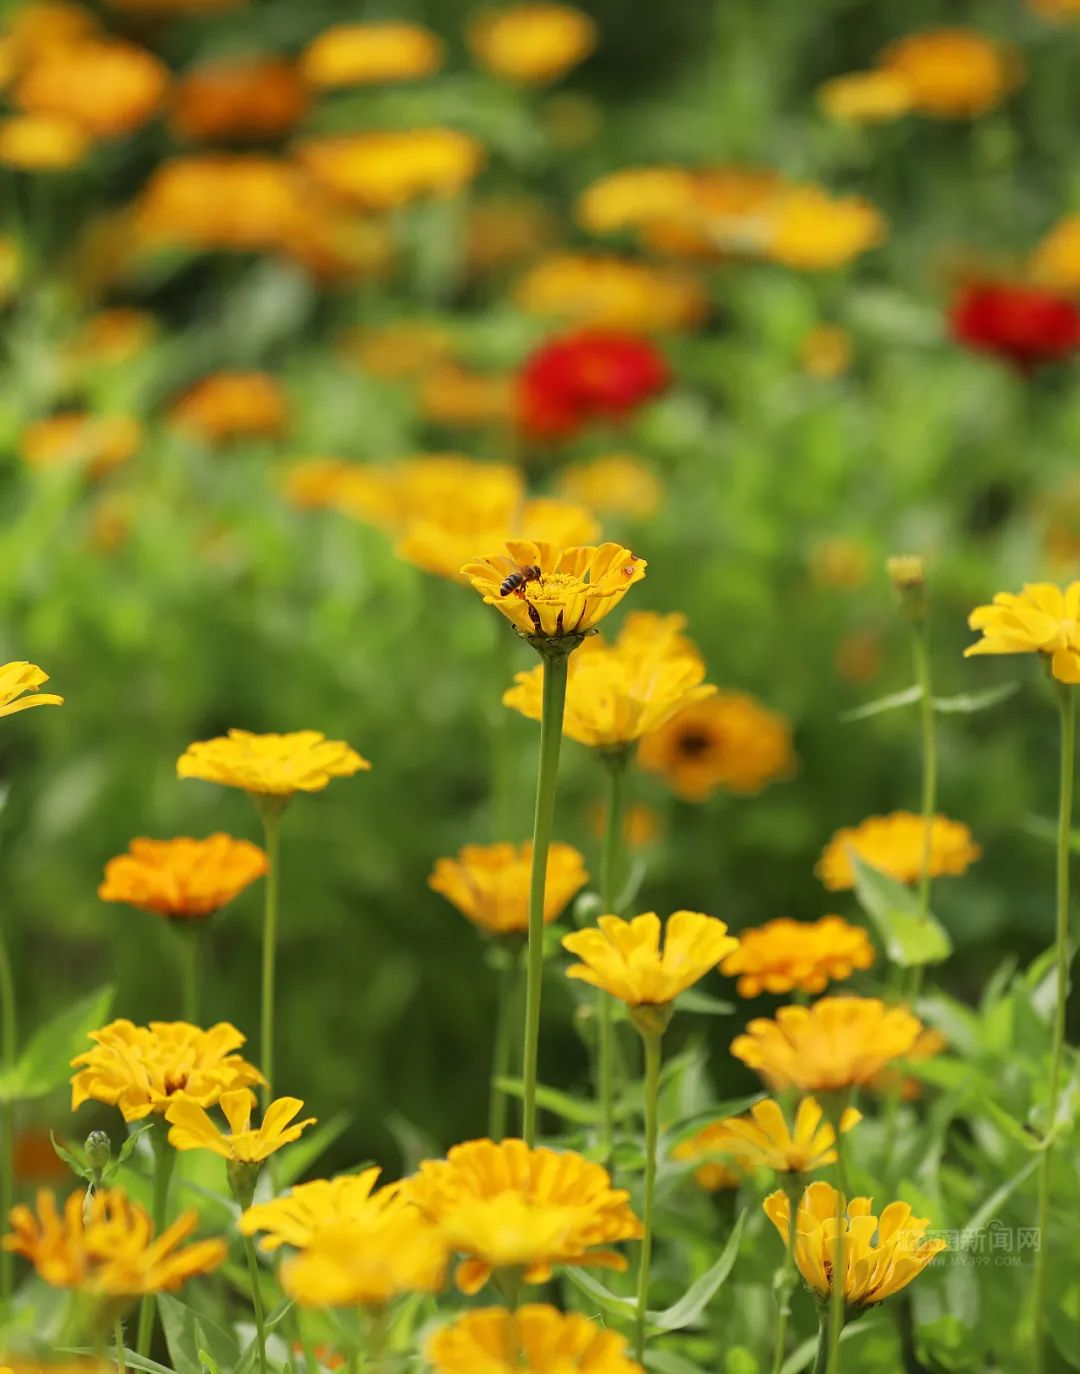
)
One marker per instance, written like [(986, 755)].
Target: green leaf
[(187, 1331), (77, 1166), (1014, 1129), (703, 1004), (688, 1310), (603, 1297), (127, 1149), (569, 1108), (966, 703), (909, 937), (45, 1063), (993, 1203), (732, 1106), (301, 1155), (801, 1358), (893, 702), (664, 1362), (1041, 828)]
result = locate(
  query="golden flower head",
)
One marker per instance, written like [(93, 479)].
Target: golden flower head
[(896, 844), (597, 291), (42, 143), (143, 1070), (388, 168), (507, 1206), (98, 443), (728, 741), (489, 884), (192, 1128), (881, 1255), (837, 1043), (225, 201), (183, 879), (298, 1217), (714, 1174), (533, 1340), (257, 99), (763, 1139), (808, 229), (866, 97), (555, 592), (1056, 260), (106, 86), (270, 765), (104, 1245), (531, 43), (625, 958), (16, 679), (1041, 619), (952, 73), (783, 955), (906, 571), (615, 483), (634, 197), (367, 54), (227, 406), (400, 349), (825, 352)]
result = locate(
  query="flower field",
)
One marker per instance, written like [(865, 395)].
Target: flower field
[(550, 541)]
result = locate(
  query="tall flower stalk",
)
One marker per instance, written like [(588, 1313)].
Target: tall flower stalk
[(271, 810), (651, 1022), (8, 1043), (616, 761), (508, 984), (164, 1160), (793, 1186)]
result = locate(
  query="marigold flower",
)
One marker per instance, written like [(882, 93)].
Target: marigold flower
[(531, 43), (104, 1244), (763, 1140), (533, 1340), (223, 201), (21, 677), (192, 1128), (587, 376), (299, 1217), (616, 484), (183, 879), (143, 1070), (99, 443), (825, 352), (727, 741), (388, 168), (106, 86), (866, 97), (880, 1255), (489, 884), (1056, 260), (810, 230), (507, 1206), (232, 405), (896, 845), (1026, 325), (952, 73), (605, 292), (42, 143), (837, 1043), (624, 958), (239, 100), (783, 955), (633, 197), (570, 593), (366, 54), (271, 765)]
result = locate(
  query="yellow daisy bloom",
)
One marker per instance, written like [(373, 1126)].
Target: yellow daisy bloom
[(763, 1140), (562, 592), (143, 1070), (192, 1128), (489, 884), (895, 844), (533, 1340), (105, 1245), (365, 54), (838, 1043), (17, 678), (728, 741), (302, 1214), (531, 43), (783, 955), (366, 1262), (624, 957), (881, 1255), (507, 1206), (1041, 619), (182, 879), (271, 765)]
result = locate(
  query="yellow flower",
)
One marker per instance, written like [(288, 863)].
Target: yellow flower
[(839, 563), (633, 197), (810, 230), (192, 1128), (403, 348), (564, 591), (99, 443), (531, 43), (624, 957), (895, 844), (17, 678), (1042, 619), (641, 824), (363, 54), (783, 955), (880, 1255), (604, 292), (763, 1140), (952, 73), (299, 1217), (866, 97), (837, 1043), (104, 1245), (270, 765), (110, 338), (232, 405), (616, 483), (453, 395), (1056, 260), (714, 1175), (930, 1043), (42, 143), (489, 884), (533, 1340), (221, 200), (183, 879), (825, 352), (507, 1206), (616, 693), (145, 1069), (106, 86), (389, 168), (727, 741)]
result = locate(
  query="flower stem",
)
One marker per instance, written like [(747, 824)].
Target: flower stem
[(271, 820), (190, 942), (787, 1274), (551, 720), (835, 1114), (821, 1363), (652, 1044), (118, 1340), (164, 1159), (507, 995), (609, 893), (921, 659), (8, 1047), (256, 1301), (1067, 704)]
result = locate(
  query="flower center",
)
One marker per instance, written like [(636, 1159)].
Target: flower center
[(694, 743)]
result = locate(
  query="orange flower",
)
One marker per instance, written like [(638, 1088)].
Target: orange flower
[(728, 741), (366, 54), (952, 73), (182, 879), (390, 168), (106, 86), (607, 292), (454, 395), (232, 405), (489, 884), (221, 200), (866, 97), (531, 43), (99, 443), (783, 955), (109, 338), (895, 844), (239, 100)]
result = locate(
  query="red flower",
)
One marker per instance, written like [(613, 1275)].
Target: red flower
[(572, 380), (1024, 324)]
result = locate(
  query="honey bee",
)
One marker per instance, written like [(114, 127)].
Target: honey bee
[(517, 580)]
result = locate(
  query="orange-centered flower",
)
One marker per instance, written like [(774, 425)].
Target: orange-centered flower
[(489, 884), (625, 959), (727, 742), (19, 678), (182, 879), (532, 1340), (896, 845), (783, 955), (763, 1139), (192, 1128), (271, 765), (1041, 619)]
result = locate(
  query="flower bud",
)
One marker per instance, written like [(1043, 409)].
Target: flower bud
[(98, 1150), (907, 573)]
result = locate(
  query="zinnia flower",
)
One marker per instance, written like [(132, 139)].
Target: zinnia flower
[(271, 765), (105, 86), (389, 168), (1042, 619), (533, 1340), (1025, 325), (232, 405), (880, 1255), (615, 483), (763, 1140), (531, 43), (837, 1043), (104, 1245), (145, 1069), (728, 741), (866, 97), (301, 1215), (783, 955), (225, 201), (952, 73), (810, 230), (489, 884), (896, 845), (1056, 261), (19, 678), (633, 197), (192, 1128), (183, 879), (507, 1206), (587, 376), (625, 959), (367, 54), (604, 292), (258, 99), (42, 143), (99, 443)]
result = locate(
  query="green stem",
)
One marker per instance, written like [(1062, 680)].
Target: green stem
[(118, 1340), (256, 1301), (164, 1159), (787, 1276), (921, 659), (821, 1363), (652, 1044), (8, 1049), (504, 1043), (190, 942), (609, 895), (1067, 704), (271, 819), (836, 1282), (551, 720)]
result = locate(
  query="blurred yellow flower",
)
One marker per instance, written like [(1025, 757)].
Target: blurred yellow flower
[(334, 483), (388, 168), (336, 246), (713, 1174), (811, 230), (34, 29), (402, 348), (18, 678), (1056, 9), (42, 143), (839, 563), (952, 73), (881, 1255), (419, 489), (366, 1261), (489, 884), (895, 844), (450, 394), (783, 955), (532, 1340), (602, 291), (634, 196), (1042, 619), (98, 443), (109, 338), (192, 1128), (365, 54), (1056, 260), (894, 1080), (103, 1244), (615, 483), (625, 958), (866, 97), (837, 1043), (299, 1217), (763, 1140), (106, 86), (10, 268), (261, 98), (728, 741), (825, 352), (166, 8), (183, 879), (222, 200), (507, 1206), (271, 765), (641, 824), (232, 405), (531, 43), (143, 1070)]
